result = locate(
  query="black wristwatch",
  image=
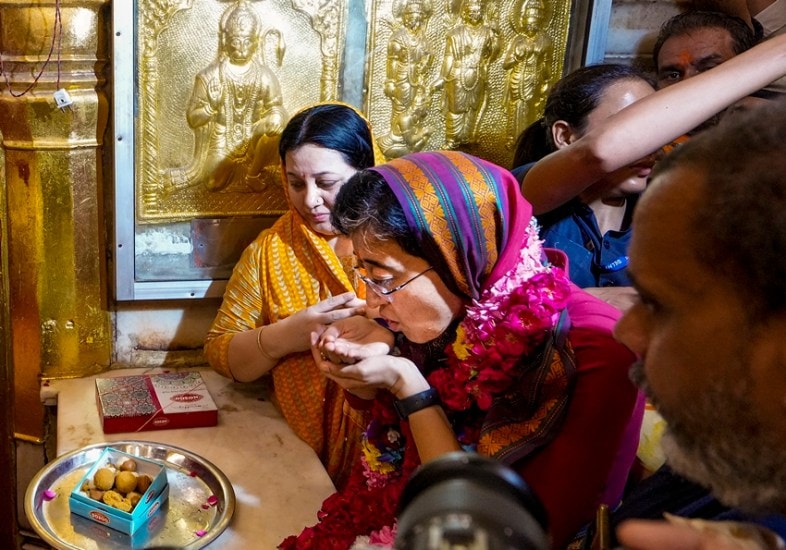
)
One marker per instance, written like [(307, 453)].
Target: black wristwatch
[(414, 403)]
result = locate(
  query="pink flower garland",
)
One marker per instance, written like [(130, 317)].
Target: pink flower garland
[(511, 318)]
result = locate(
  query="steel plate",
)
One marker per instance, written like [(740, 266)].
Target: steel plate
[(186, 515)]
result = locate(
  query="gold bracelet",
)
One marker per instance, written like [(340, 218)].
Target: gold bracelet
[(261, 347)]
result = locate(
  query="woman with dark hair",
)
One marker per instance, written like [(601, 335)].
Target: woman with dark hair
[(571, 101), (495, 350), (593, 228), (298, 275)]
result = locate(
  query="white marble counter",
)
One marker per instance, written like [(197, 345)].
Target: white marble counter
[(278, 480)]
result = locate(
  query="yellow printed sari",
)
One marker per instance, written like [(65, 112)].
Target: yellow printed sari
[(287, 268)]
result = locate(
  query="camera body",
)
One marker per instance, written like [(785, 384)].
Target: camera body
[(468, 501)]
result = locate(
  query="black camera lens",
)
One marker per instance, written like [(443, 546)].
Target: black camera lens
[(467, 501)]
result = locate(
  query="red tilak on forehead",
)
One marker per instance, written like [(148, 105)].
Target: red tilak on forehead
[(685, 57)]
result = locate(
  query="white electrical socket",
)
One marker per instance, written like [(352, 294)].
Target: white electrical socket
[(62, 98)]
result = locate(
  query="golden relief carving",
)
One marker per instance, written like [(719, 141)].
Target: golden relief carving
[(472, 44), (236, 110), (216, 85), (469, 75), (218, 79), (409, 59), (527, 61), (327, 19)]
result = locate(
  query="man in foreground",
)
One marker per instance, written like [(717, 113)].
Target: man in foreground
[(707, 258)]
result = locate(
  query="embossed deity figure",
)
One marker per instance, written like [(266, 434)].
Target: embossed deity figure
[(471, 47), (236, 111), (528, 64), (407, 85)]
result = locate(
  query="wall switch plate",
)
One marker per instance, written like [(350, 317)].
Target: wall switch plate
[(62, 99)]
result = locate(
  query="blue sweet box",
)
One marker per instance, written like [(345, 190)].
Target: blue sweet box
[(121, 502)]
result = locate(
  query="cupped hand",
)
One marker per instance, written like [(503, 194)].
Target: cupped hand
[(314, 318), (365, 377), (353, 339)]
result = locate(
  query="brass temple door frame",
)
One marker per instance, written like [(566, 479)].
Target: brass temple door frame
[(202, 88)]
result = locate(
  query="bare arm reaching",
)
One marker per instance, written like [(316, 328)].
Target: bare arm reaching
[(650, 123)]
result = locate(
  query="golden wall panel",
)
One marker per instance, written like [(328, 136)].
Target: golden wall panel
[(216, 83), (216, 80), (462, 74), (60, 323)]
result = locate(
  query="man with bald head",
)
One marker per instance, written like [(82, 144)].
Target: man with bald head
[(708, 260)]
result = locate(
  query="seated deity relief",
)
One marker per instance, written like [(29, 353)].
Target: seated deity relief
[(236, 110), (213, 93)]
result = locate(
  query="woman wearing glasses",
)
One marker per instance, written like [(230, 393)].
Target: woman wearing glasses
[(495, 350), (298, 275)]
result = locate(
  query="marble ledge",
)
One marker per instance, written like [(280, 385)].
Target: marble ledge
[(278, 480)]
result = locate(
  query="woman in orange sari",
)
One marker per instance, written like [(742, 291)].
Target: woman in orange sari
[(296, 276)]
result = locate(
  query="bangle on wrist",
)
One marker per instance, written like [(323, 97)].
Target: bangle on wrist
[(414, 403), (261, 347)]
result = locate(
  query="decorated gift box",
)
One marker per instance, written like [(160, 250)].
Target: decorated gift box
[(154, 402), (110, 538), (120, 491)]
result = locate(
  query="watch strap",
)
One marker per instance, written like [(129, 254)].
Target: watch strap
[(414, 403)]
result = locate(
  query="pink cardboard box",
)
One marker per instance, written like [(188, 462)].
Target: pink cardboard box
[(154, 402)]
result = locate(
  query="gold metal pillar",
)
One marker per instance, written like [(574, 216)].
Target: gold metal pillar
[(59, 319), (8, 514)]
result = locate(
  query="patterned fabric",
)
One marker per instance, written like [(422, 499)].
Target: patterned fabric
[(288, 268), (527, 417), (465, 208)]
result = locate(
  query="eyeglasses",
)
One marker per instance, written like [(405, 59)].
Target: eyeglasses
[(379, 288)]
